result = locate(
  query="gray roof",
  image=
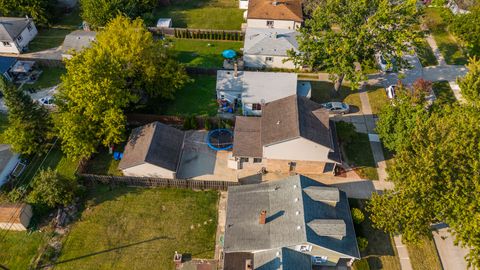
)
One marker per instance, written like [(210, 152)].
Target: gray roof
[(6, 155), (77, 40), (325, 193), (154, 143), (12, 27), (247, 138), (291, 214), (266, 41)]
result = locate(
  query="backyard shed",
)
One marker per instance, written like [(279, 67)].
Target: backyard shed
[(153, 150), (77, 41), (8, 162), (164, 22), (14, 216)]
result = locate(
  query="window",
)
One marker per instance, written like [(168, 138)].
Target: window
[(7, 44), (239, 96), (222, 96), (19, 38), (319, 259), (305, 248), (29, 27), (270, 24), (244, 159), (256, 107), (268, 59), (257, 160)]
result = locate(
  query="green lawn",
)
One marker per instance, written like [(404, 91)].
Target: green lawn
[(203, 14), (423, 256), (425, 54), (324, 92), (444, 93), (201, 53), (134, 228), (377, 98), (448, 46), (19, 248), (381, 252), (49, 77), (103, 163), (48, 38)]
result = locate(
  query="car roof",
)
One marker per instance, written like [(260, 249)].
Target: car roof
[(336, 104)]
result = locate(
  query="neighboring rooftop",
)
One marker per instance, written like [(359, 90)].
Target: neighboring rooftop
[(294, 217), (78, 40), (247, 137), (12, 27), (11, 212), (6, 63), (154, 143), (275, 10), (265, 41)]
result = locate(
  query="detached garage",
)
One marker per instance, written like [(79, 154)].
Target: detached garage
[(152, 150)]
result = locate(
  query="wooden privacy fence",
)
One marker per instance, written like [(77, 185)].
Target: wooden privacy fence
[(159, 182), (207, 34)]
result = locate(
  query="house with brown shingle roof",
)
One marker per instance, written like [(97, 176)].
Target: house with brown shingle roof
[(277, 14), (293, 135)]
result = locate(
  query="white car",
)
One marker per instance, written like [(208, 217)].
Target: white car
[(390, 91), (336, 107), (47, 101)]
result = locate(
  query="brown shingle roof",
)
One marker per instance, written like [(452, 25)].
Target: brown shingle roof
[(11, 212), (247, 141), (154, 143), (282, 10)]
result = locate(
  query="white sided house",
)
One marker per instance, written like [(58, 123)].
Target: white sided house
[(16, 34), (8, 162), (275, 14), (267, 48), (293, 135), (153, 150), (253, 89)]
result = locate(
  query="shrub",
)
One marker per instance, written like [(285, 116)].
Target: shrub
[(51, 189), (357, 216), (361, 265), (346, 131), (362, 243)]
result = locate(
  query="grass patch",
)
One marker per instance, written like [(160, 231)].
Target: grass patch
[(103, 163), (425, 54), (202, 53), (49, 77), (381, 252), (127, 228), (423, 255), (48, 38), (448, 46), (324, 92), (444, 93), (377, 98), (203, 14), (19, 248)]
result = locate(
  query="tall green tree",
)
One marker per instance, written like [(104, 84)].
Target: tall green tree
[(344, 32), (124, 66), (51, 189), (466, 27), (40, 10), (436, 180), (29, 124), (470, 84), (99, 12)]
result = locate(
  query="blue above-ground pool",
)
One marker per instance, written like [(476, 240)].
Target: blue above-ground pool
[(220, 139)]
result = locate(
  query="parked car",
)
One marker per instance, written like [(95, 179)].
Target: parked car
[(383, 64), (336, 107), (47, 101), (390, 91)]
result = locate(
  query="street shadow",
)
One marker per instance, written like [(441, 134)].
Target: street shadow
[(109, 250)]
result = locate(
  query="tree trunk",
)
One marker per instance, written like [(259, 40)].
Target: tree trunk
[(338, 82)]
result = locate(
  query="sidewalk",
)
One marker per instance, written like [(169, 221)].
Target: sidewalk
[(222, 219), (405, 263)]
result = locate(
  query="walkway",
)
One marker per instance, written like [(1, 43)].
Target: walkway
[(405, 263), (451, 256), (222, 219)]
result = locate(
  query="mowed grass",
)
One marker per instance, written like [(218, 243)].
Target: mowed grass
[(19, 248), (324, 92), (448, 46), (134, 228), (377, 98), (203, 14), (103, 163), (48, 38), (443, 93), (202, 53), (425, 54), (359, 155), (423, 255), (380, 252), (49, 78)]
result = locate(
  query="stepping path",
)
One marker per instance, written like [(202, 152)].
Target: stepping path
[(405, 263), (436, 51)]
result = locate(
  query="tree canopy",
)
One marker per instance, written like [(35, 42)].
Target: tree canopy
[(466, 27), (39, 10), (470, 84), (436, 179), (99, 12), (342, 33), (51, 189), (29, 123), (124, 66)]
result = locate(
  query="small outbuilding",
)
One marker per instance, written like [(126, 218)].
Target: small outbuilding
[(15, 216), (164, 22), (153, 150), (77, 41)]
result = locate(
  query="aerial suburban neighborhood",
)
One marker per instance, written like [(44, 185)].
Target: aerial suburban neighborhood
[(240, 134)]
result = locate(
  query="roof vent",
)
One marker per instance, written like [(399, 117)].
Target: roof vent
[(296, 200), (298, 227), (277, 187), (295, 186), (297, 213), (278, 122)]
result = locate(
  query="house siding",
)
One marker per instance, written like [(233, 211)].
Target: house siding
[(9, 168), (297, 149), (17, 46), (149, 170), (277, 24), (259, 61)]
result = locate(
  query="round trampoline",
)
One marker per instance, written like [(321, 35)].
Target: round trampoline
[(220, 139)]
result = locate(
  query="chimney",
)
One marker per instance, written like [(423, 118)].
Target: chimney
[(263, 217), (235, 69)]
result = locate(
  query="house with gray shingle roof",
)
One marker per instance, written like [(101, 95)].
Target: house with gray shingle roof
[(293, 135), (267, 48), (76, 41), (16, 34), (291, 224)]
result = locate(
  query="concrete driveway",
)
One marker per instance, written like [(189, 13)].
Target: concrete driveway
[(47, 92), (451, 256)]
